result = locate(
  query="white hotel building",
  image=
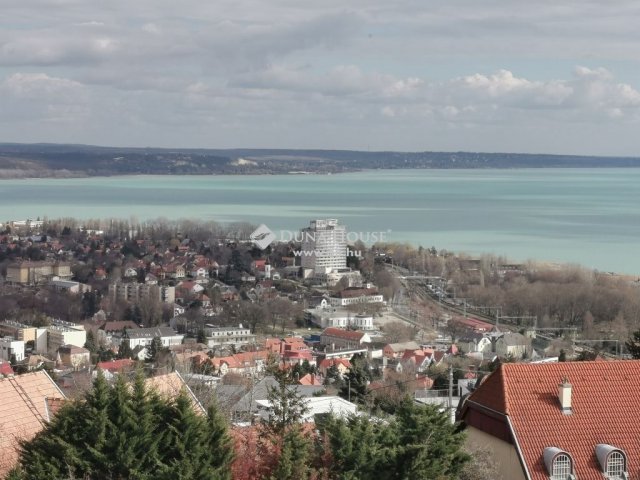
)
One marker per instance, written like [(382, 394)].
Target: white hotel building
[(324, 246)]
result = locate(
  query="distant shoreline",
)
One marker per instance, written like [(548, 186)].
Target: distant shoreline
[(73, 161), (59, 175)]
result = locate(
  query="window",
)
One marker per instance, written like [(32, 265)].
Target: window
[(561, 467), (615, 466)]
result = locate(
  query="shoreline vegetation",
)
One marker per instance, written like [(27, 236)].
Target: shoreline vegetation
[(239, 232), (21, 161)]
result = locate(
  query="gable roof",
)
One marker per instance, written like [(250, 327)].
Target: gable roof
[(118, 326), (402, 346), (116, 365), (23, 412), (341, 333), (151, 332), (170, 385), (604, 411)]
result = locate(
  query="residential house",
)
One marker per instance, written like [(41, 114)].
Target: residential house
[(338, 338), (144, 336), (245, 363), (115, 366), (10, 347), (514, 345), (74, 357), (564, 420), (28, 402), (342, 365), (109, 331), (396, 350), (324, 405), (244, 404)]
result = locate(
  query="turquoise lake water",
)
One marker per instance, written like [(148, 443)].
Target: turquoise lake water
[(585, 216)]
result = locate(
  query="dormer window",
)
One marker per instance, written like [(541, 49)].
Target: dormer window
[(613, 462), (559, 464), (561, 468)]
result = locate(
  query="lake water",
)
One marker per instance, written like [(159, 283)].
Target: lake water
[(585, 216)]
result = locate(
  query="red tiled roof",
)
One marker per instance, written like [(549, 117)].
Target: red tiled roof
[(341, 333), (356, 292), (310, 379), (5, 368), (115, 365), (23, 412), (327, 363), (604, 410)]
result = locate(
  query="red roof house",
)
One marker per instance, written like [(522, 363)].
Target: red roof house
[(559, 420)]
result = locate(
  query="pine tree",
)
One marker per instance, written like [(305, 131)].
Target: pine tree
[(124, 432), (155, 347), (295, 453), (220, 444), (124, 350), (91, 343), (633, 345), (428, 445), (288, 407), (182, 446), (356, 381)]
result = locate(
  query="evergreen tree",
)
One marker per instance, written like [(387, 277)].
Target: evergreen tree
[(124, 432), (356, 381), (419, 442), (217, 434), (428, 445), (154, 349), (183, 443), (202, 337), (124, 350), (91, 344), (295, 453), (288, 406), (633, 345)]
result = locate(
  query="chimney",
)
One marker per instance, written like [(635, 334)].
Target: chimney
[(564, 395)]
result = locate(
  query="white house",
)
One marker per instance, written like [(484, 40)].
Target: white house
[(10, 346), (144, 336), (315, 406), (217, 336)]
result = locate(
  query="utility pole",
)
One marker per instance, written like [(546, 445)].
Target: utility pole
[(349, 383)]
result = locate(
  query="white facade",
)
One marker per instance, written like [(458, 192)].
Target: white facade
[(315, 406), (217, 336), (343, 302), (59, 335), (10, 346), (144, 336), (330, 317), (324, 246), (134, 292)]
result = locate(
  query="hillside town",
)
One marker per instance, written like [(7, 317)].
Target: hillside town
[(225, 319)]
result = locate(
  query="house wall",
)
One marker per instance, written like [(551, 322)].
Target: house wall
[(504, 455)]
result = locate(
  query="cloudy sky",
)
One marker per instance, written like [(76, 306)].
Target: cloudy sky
[(478, 75)]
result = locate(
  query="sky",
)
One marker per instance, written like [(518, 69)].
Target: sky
[(407, 75)]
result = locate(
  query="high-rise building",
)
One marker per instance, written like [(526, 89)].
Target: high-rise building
[(324, 246)]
